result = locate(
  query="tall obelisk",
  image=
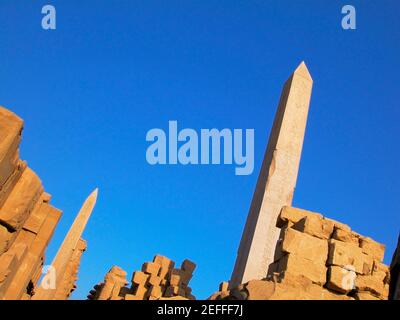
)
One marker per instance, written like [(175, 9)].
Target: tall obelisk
[(276, 181), (66, 250)]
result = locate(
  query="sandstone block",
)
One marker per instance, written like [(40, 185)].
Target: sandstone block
[(4, 238), (10, 136), (260, 289), (155, 292), (151, 268), (166, 265), (21, 200), (142, 293), (154, 280), (346, 236), (188, 266), (140, 278), (224, 286), (372, 248), (339, 225), (293, 215), (381, 272), (302, 245), (373, 285), (315, 226), (176, 277), (297, 265), (349, 256), (10, 183), (341, 280)]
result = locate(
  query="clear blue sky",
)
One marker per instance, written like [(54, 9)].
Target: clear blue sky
[(112, 70)]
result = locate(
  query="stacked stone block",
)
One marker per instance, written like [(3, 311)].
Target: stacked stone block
[(317, 258), (157, 280)]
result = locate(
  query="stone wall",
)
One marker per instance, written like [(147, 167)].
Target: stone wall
[(158, 280), (27, 220), (317, 258)]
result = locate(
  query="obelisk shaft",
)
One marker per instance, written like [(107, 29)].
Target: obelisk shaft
[(276, 181), (395, 274), (66, 250)]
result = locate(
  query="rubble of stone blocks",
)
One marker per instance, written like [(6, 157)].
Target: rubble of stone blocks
[(317, 258), (158, 280), (394, 291)]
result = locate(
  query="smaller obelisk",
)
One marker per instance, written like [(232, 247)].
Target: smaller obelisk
[(66, 250)]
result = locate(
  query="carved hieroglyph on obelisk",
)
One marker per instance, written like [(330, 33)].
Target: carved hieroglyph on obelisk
[(66, 250), (276, 181)]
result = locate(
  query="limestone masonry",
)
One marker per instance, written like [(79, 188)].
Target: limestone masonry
[(284, 253)]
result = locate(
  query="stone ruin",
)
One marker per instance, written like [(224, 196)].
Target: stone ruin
[(158, 280), (284, 253), (27, 221), (317, 258)]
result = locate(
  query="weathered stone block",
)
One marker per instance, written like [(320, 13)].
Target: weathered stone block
[(188, 266), (315, 226), (346, 236), (341, 280), (315, 271), (4, 238), (373, 285), (224, 286), (155, 292), (154, 280), (151, 268), (293, 215), (10, 136), (302, 245), (349, 256), (166, 265), (22, 199), (10, 183), (260, 289), (140, 278), (372, 248), (176, 277), (381, 272)]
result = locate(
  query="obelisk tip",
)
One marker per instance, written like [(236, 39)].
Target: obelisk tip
[(302, 70), (94, 193)]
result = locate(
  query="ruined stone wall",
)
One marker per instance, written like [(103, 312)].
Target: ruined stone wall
[(158, 280), (27, 220), (317, 258)]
